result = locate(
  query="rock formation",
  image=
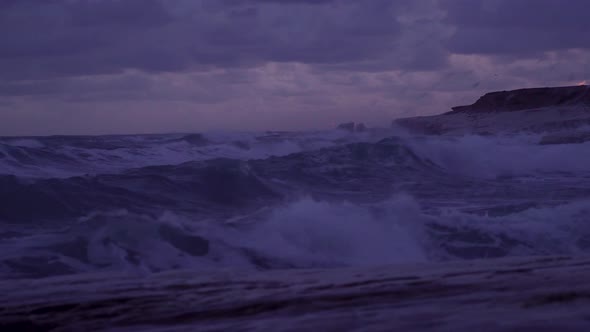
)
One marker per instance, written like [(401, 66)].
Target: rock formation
[(525, 99), (360, 127), (352, 127), (348, 126), (538, 110)]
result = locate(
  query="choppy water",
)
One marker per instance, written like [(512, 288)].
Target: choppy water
[(285, 200)]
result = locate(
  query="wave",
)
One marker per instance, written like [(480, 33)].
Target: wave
[(496, 156), (549, 230), (301, 234), (66, 156), (198, 186), (215, 184), (285, 200), (470, 155)]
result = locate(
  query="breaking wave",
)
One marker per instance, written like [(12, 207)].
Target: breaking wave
[(285, 200), (302, 234), (493, 156)]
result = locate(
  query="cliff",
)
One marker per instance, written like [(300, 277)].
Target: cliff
[(525, 99), (538, 110)]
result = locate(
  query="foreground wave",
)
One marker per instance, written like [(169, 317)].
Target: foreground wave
[(285, 200)]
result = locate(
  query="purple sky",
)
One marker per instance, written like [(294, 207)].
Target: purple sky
[(136, 66)]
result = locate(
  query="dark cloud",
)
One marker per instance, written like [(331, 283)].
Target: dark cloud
[(45, 39), (289, 2), (200, 88), (218, 63), (517, 26)]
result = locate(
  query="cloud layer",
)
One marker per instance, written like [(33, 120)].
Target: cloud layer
[(288, 64)]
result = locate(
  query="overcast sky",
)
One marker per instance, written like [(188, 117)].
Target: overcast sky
[(137, 66)]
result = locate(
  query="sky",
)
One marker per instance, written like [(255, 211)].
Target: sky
[(147, 66)]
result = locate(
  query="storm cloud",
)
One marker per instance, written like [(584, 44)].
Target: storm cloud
[(282, 64), (44, 39), (517, 26)]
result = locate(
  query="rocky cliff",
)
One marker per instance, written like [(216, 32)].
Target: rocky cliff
[(525, 99), (536, 110)]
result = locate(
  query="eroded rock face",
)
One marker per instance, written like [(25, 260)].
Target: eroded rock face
[(524, 99), (538, 110)]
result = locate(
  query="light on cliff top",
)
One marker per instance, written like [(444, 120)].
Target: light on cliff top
[(582, 83)]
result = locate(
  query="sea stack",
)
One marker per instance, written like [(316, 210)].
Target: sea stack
[(352, 127), (347, 126)]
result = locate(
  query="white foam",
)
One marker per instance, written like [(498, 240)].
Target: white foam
[(308, 232), (141, 151), (492, 156)]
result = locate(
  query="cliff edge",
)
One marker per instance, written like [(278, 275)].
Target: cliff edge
[(538, 110), (524, 99)]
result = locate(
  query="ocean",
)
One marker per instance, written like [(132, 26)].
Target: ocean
[(285, 200)]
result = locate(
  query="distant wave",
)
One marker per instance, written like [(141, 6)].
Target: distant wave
[(65, 156)]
